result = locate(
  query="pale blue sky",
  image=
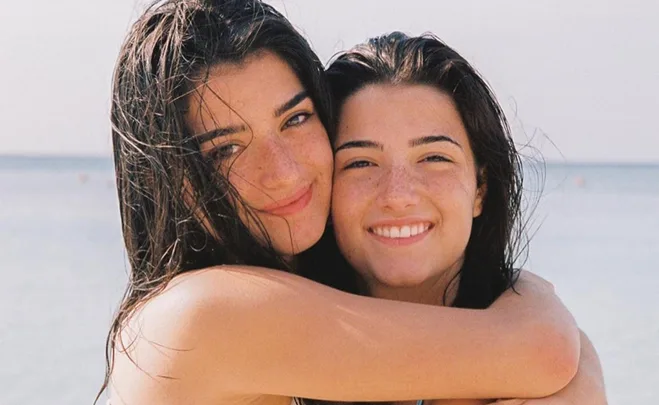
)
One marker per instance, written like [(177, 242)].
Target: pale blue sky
[(583, 76)]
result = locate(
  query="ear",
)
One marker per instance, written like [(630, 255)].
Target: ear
[(481, 192)]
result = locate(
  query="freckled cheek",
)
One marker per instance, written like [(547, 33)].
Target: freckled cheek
[(454, 197), (350, 204), (313, 149), (243, 174), (340, 204)]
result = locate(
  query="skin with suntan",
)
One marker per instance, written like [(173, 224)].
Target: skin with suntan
[(239, 334), (405, 190), (405, 194), (270, 144), (212, 222)]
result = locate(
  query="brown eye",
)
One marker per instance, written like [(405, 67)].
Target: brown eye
[(359, 164)]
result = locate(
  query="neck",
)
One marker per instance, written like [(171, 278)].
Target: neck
[(439, 290)]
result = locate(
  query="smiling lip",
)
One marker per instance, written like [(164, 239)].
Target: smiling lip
[(401, 241), (291, 205)]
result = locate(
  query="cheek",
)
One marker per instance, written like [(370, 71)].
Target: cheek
[(313, 149), (348, 208), (241, 178), (339, 205), (455, 196)]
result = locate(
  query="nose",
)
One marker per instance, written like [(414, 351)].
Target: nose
[(399, 190), (279, 167)]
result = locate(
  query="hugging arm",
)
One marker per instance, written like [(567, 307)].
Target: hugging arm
[(586, 388), (227, 333)]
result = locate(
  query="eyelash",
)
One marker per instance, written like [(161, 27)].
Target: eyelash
[(360, 164), (304, 115), (217, 154), (439, 158)]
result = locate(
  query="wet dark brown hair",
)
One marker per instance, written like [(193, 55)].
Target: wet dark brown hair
[(169, 50), (494, 245)]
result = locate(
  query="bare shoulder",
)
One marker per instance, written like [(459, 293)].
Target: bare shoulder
[(226, 286), (215, 288), (177, 336), (530, 279), (192, 303)]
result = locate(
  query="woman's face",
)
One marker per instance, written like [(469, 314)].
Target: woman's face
[(405, 189), (256, 122)]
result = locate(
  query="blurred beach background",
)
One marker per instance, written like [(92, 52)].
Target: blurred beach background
[(579, 81)]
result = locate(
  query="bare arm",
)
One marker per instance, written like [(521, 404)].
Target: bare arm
[(586, 388), (229, 333)]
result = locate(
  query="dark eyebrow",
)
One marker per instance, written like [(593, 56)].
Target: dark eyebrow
[(217, 132), (360, 144), (210, 135), (433, 138), (297, 99)]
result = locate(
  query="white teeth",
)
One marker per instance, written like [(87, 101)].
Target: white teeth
[(405, 231)]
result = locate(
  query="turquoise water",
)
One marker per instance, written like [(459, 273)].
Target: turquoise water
[(63, 271)]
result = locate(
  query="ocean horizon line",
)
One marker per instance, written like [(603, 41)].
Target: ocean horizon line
[(98, 158)]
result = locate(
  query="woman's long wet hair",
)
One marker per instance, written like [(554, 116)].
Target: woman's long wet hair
[(397, 59), (167, 54)]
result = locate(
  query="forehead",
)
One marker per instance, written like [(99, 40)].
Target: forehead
[(242, 91), (392, 113)]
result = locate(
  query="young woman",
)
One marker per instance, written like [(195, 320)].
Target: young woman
[(220, 118), (426, 204)]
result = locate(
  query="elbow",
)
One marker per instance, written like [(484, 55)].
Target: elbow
[(558, 360), (562, 360)]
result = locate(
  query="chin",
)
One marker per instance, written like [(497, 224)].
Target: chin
[(399, 282), (397, 277), (302, 239)]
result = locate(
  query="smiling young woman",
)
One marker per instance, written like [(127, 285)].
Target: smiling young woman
[(267, 139), (406, 189), (426, 204), (221, 119)]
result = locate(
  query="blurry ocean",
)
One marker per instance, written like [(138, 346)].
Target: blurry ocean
[(63, 271)]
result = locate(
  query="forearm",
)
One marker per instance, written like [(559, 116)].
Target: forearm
[(247, 331)]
